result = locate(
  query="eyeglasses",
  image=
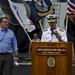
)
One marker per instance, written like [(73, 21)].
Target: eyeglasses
[(5, 21)]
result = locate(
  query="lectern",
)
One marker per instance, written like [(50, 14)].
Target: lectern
[(53, 58)]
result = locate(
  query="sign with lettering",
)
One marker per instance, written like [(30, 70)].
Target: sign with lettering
[(51, 50)]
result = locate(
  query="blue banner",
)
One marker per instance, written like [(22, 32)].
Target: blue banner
[(43, 8)]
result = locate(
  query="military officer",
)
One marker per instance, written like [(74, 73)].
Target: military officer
[(53, 33)]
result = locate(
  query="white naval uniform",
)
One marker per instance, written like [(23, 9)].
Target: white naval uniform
[(47, 36)]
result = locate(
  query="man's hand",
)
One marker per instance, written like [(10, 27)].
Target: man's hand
[(17, 58), (56, 34)]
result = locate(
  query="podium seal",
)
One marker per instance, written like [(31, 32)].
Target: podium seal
[(51, 62)]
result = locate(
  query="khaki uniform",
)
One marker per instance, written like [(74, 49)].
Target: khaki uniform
[(47, 35)]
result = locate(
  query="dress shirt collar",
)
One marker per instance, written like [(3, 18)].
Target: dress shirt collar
[(2, 29), (50, 29)]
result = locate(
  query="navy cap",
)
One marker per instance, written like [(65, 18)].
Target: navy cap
[(52, 17)]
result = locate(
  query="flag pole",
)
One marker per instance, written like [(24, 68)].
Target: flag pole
[(41, 24), (66, 22), (26, 33)]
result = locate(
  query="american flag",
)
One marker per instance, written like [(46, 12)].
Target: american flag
[(71, 7)]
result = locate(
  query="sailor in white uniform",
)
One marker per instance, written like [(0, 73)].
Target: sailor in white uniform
[(53, 33)]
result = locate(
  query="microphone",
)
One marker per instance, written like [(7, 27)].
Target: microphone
[(52, 32)]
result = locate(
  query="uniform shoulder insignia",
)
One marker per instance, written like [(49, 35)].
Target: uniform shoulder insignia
[(61, 29), (45, 29)]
